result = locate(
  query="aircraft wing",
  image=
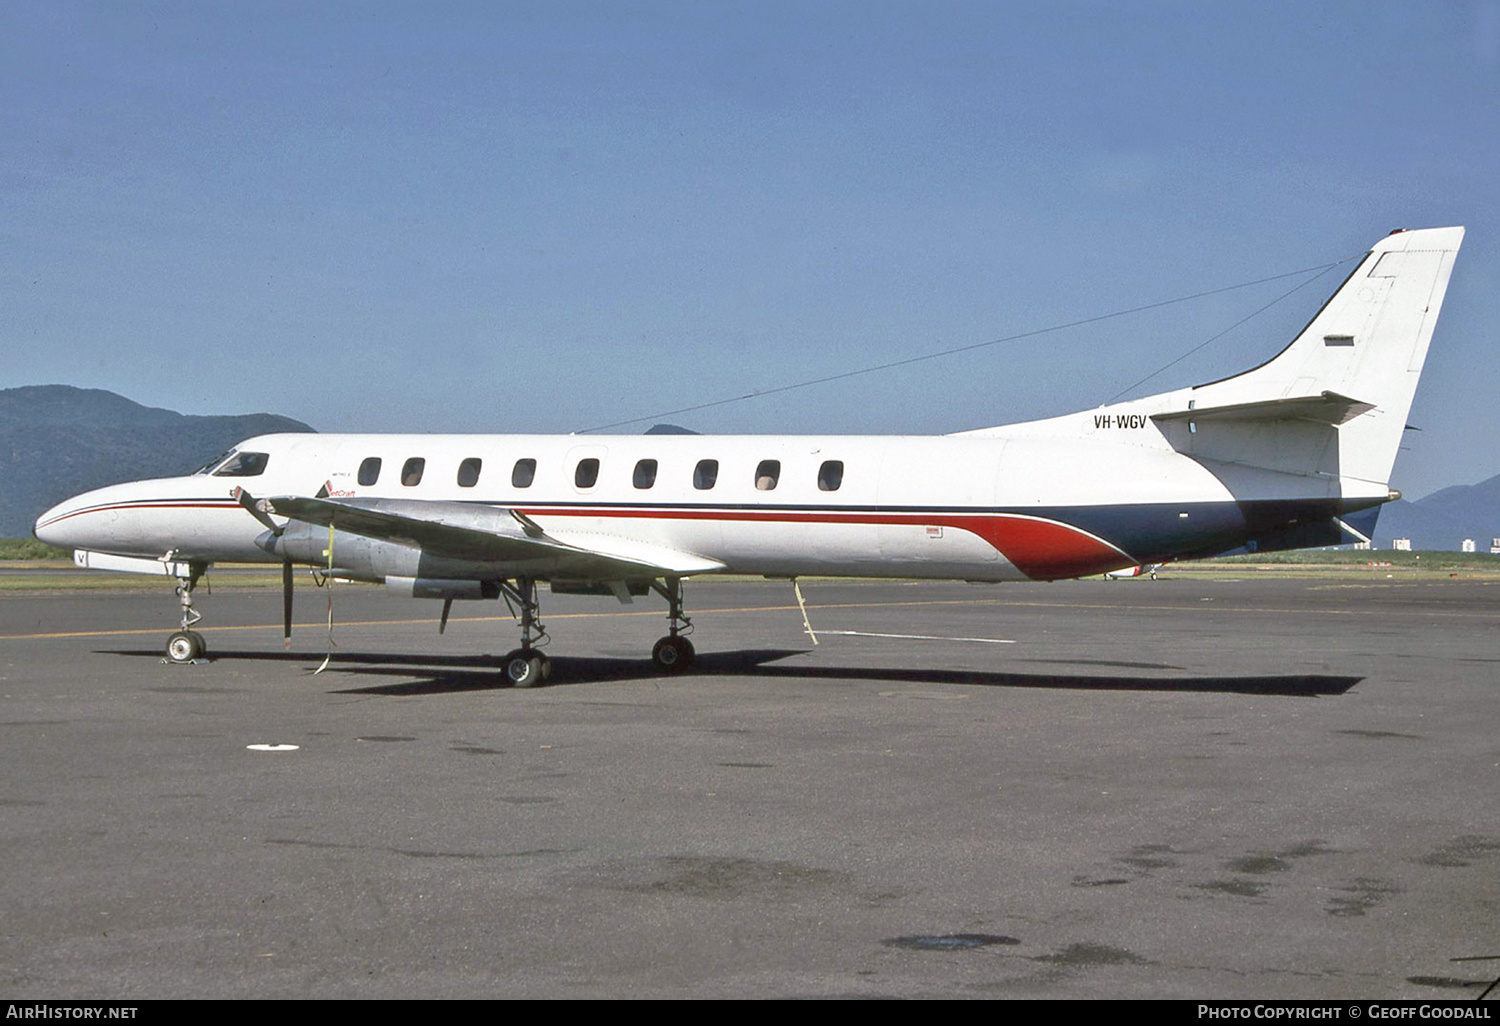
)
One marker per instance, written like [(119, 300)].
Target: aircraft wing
[(465, 531)]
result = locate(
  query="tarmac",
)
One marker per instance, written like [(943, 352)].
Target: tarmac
[(1183, 788)]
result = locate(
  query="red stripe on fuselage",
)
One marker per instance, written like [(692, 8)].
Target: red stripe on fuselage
[(142, 504), (1043, 550), (1046, 550)]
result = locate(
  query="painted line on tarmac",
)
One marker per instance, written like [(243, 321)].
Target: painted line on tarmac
[(322, 624), (914, 637), (1224, 607)]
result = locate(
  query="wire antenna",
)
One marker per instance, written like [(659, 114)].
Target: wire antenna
[(1319, 270)]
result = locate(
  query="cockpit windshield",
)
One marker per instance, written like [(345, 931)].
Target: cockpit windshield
[(243, 464), (211, 464), (235, 464)]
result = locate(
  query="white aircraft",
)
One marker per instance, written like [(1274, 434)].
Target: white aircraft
[(1296, 452)]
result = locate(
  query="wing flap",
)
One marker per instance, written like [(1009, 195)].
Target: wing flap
[(628, 550)]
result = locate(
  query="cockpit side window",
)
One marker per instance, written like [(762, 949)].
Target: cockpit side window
[(244, 464)]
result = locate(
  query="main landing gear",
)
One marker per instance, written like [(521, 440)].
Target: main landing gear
[(527, 667), (186, 645), (674, 653)]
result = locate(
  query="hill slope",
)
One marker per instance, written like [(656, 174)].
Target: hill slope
[(1445, 518)]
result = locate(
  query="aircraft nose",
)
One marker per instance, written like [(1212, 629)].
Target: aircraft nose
[(54, 527), (87, 521)]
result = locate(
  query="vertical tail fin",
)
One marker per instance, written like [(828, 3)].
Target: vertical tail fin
[(1362, 353)]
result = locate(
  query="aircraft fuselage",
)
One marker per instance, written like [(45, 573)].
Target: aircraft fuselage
[(976, 508)]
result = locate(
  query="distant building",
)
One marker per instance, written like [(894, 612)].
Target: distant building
[(1468, 545), (1401, 544), (1495, 546), (1361, 545)]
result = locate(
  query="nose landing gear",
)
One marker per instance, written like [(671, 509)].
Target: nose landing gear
[(187, 645)]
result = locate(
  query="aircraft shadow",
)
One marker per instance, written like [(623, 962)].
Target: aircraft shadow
[(441, 674)]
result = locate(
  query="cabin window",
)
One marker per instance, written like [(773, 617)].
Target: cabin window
[(244, 464), (705, 474), (523, 474), (830, 475), (411, 471), (767, 474), (645, 474), (586, 475), (369, 471), (468, 472)]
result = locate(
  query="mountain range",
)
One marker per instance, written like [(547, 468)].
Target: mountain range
[(1442, 520), (57, 441)]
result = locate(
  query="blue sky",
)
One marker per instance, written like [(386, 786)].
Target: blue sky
[(552, 216)]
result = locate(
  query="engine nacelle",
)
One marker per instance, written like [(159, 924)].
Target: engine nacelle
[(370, 559), (430, 588)]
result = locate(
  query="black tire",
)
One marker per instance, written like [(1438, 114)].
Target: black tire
[(184, 647), (524, 668), (673, 654), (202, 643)]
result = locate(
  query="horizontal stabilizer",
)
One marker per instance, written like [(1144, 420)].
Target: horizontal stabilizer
[(1328, 408)]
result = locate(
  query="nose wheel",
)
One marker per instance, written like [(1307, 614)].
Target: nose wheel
[(186, 647)]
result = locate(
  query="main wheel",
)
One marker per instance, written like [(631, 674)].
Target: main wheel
[(673, 654), (184, 646), (526, 669)]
